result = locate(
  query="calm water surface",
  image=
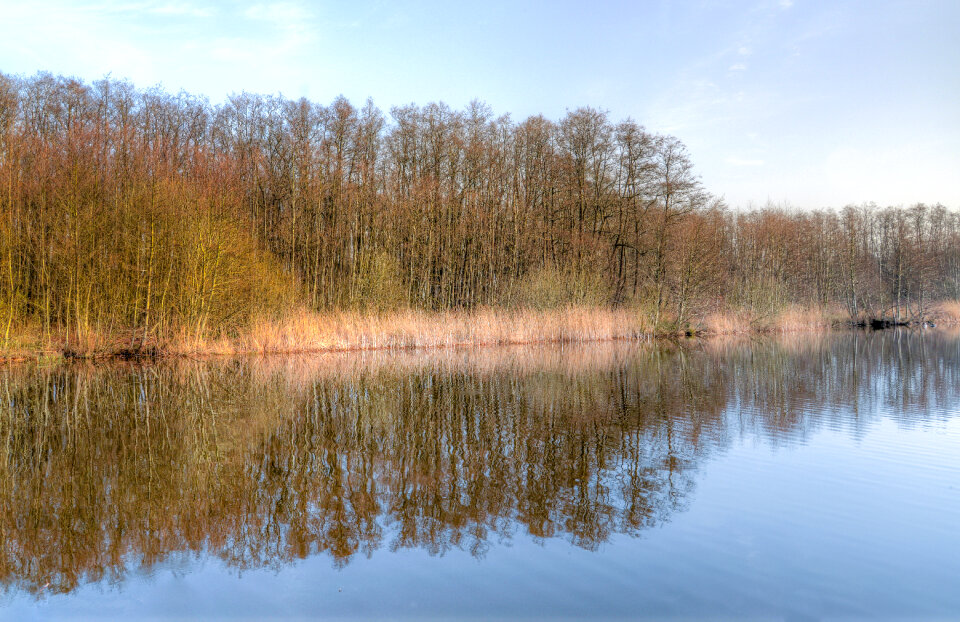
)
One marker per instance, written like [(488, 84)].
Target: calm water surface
[(806, 478)]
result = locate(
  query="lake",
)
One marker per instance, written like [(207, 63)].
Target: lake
[(780, 478)]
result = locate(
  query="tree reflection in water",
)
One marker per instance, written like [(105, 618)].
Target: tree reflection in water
[(109, 468)]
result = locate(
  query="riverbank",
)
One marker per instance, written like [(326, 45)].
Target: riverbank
[(338, 332)]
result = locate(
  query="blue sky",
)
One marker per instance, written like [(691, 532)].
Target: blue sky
[(800, 102)]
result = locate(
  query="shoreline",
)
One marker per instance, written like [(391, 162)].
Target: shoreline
[(315, 333)]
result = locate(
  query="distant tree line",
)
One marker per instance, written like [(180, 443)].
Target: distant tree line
[(135, 209)]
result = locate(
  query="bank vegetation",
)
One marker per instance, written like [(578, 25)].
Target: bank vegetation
[(135, 220)]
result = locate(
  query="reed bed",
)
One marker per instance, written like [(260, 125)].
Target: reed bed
[(310, 332), (946, 312), (790, 319)]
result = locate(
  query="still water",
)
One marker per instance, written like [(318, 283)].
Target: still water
[(802, 478)]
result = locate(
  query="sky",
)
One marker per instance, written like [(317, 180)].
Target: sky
[(800, 103)]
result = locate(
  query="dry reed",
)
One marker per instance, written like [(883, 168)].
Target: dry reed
[(312, 332), (946, 312), (306, 331), (792, 318)]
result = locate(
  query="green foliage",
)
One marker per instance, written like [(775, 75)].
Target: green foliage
[(550, 288), (763, 298), (378, 285)]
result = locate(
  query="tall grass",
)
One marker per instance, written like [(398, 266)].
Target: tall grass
[(788, 319), (315, 332), (946, 312), (306, 331)]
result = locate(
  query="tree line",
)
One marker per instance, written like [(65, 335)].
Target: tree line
[(137, 209)]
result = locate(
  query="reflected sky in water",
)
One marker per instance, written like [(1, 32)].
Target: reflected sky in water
[(795, 478)]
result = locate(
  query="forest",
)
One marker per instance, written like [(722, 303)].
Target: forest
[(156, 216)]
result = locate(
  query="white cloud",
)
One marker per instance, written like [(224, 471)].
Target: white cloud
[(737, 67), (738, 161), (197, 46), (893, 174), (786, 4), (291, 23), (285, 15)]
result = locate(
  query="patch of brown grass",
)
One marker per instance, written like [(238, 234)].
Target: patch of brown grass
[(313, 332), (792, 318), (348, 331), (24, 342), (730, 322), (945, 312), (318, 332), (410, 329)]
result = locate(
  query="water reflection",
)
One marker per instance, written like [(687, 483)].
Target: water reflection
[(105, 470)]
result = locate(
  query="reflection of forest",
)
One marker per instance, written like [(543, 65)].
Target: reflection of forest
[(108, 468)]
